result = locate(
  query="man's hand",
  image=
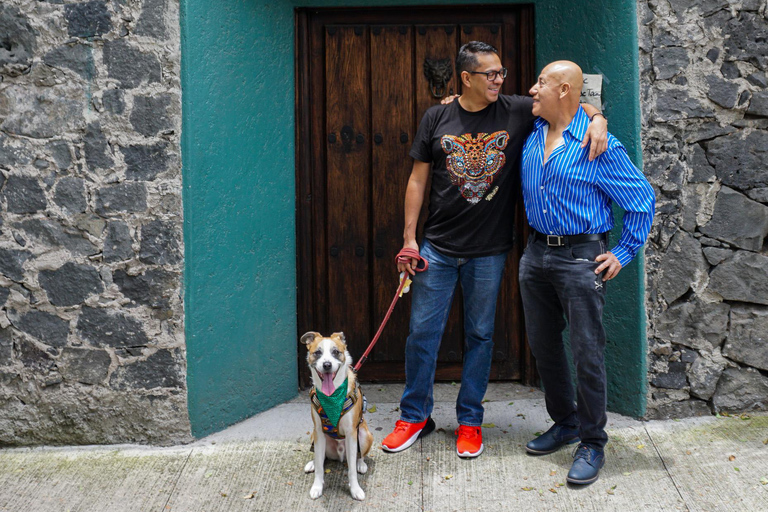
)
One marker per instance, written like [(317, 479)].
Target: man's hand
[(596, 137), (411, 265), (611, 263), (449, 99)]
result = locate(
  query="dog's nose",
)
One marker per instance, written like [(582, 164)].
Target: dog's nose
[(326, 365)]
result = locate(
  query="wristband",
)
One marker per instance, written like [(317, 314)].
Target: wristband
[(598, 114)]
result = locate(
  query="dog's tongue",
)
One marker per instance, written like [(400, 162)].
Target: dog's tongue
[(328, 387)]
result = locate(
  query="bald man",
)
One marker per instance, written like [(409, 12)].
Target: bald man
[(566, 265)]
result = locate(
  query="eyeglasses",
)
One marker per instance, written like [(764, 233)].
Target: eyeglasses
[(491, 75)]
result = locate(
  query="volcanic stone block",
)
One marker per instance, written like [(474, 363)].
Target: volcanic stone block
[(97, 154), (159, 243), (87, 19), (682, 265), (667, 62), (722, 92), (741, 389), (34, 358), (743, 278), (12, 263), (24, 194), (738, 220), (112, 99), (682, 409), (745, 39), (55, 235), (150, 114), (70, 284), (160, 370), (46, 327), (152, 20), (84, 365), (153, 287), (759, 79), (145, 162), (122, 197), (696, 324), (703, 172), (42, 112), (739, 162), (77, 57), (748, 338), (6, 347), (716, 255), (759, 104), (704, 373), (676, 104), (4, 293), (70, 195), (17, 41), (129, 65), (104, 328), (59, 151), (675, 377), (118, 242)]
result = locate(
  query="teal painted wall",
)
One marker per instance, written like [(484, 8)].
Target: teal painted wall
[(238, 176)]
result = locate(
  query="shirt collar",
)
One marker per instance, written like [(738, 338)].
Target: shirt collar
[(577, 127)]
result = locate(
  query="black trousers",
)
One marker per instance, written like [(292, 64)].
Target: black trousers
[(559, 287)]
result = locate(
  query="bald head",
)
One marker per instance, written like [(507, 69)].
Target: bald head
[(557, 93)]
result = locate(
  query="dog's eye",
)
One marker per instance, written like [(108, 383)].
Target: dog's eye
[(335, 353), (317, 353)]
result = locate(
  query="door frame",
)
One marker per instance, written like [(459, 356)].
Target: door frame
[(310, 188)]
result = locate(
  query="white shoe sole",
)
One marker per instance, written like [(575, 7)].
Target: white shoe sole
[(467, 455), (403, 446)]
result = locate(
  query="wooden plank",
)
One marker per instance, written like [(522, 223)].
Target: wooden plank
[(348, 182), (490, 33), (393, 129)]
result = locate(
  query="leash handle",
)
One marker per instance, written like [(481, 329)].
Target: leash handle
[(406, 254)]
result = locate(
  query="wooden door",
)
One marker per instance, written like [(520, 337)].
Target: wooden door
[(361, 91)]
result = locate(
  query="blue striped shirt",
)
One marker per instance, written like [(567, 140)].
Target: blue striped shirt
[(569, 195)]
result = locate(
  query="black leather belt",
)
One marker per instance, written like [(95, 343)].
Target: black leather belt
[(562, 240)]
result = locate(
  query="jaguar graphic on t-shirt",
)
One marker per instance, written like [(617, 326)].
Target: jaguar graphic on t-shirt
[(474, 162)]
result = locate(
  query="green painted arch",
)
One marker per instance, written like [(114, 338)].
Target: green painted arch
[(238, 122)]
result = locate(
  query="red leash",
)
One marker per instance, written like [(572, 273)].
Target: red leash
[(403, 256)]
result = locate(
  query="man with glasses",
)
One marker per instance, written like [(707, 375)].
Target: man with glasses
[(472, 148)]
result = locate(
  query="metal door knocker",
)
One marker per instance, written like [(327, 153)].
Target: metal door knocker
[(438, 73)]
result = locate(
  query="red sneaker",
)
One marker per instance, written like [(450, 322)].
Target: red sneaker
[(470, 441), (405, 434)]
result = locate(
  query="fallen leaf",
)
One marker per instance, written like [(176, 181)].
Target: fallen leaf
[(764, 481), (640, 446), (765, 441), (627, 473), (732, 458), (687, 452), (453, 383), (527, 488), (537, 434), (488, 425), (511, 403), (484, 400), (736, 469), (209, 474), (248, 496), (745, 416), (448, 477), (560, 484), (553, 490), (290, 483), (610, 491), (521, 416), (552, 473), (327, 471), (372, 408), (223, 494), (410, 482)]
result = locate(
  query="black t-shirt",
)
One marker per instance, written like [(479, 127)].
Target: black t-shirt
[(475, 166)]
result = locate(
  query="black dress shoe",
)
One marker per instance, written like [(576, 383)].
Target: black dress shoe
[(553, 439), (586, 466)]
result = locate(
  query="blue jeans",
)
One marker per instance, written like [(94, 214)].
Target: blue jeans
[(559, 284), (431, 303)]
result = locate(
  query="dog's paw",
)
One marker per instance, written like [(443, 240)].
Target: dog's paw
[(310, 467), (357, 493), (362, 467), (317, 490)]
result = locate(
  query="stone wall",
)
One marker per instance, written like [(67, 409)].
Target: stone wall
[(92, 345), (704, 67)]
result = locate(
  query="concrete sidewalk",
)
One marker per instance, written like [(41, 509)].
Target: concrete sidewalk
[(692, 464)]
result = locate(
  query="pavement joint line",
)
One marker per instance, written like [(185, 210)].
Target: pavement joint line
[(178, 477), (666, 469)]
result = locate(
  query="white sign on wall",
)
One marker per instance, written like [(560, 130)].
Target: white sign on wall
[(592, 90)]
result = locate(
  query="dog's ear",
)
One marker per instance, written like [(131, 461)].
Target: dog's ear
[(309, 337), (339, 336)]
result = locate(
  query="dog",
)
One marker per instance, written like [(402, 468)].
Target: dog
[(330, 365)]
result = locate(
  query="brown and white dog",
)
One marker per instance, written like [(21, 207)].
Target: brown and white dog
[(330, 363)]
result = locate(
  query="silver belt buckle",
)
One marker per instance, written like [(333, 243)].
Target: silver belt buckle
[(555, 241)]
